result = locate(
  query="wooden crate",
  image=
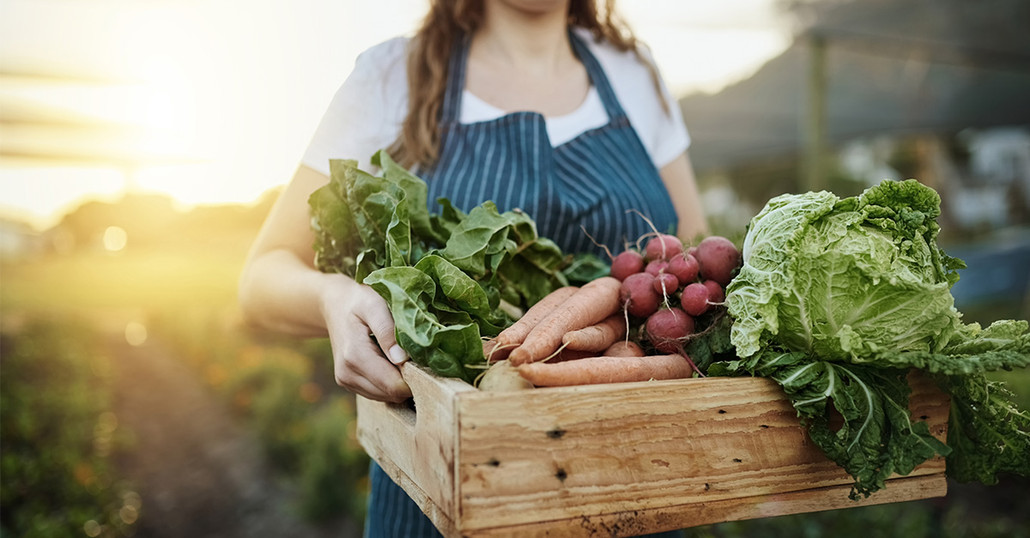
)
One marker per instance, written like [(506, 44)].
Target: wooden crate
[(616, 460)]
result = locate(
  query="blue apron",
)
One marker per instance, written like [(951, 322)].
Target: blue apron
[(590, 184)]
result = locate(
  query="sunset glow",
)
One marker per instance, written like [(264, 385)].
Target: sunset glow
[(215, 102)]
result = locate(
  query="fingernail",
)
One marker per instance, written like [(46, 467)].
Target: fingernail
[(397, 355)]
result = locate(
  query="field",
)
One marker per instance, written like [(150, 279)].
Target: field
[(133, 368)]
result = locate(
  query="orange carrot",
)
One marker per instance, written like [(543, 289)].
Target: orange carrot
[(593, 302), (593, 370), (597, 337), (500, 346), (624, 348)]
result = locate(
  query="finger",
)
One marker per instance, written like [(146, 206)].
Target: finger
[(378, 319), (363, 370), (396, 391)]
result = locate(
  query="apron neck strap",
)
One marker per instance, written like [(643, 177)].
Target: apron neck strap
[(458, 64)]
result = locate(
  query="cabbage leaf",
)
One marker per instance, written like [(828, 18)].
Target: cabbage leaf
[(838, 299)]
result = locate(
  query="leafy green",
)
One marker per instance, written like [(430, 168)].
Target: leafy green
[(444, 276), (838, 299), (845, 278)]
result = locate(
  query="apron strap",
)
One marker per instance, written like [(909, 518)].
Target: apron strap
[(451, 108), (597, 77)]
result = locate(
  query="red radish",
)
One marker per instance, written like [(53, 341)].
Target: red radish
[(638, 295), (627, 263), (715, 292), (663, 247), (656, 267), (718, 258), (665, 284), (694, 298), (684, 266), (667, 327)]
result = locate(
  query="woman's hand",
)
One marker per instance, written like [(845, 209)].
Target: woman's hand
[(365, 351)]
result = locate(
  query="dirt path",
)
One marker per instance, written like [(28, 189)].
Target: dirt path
[(199, 473)]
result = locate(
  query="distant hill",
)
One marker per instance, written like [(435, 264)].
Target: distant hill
[(893, 66)]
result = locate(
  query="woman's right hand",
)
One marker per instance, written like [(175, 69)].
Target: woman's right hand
[(366, 357)]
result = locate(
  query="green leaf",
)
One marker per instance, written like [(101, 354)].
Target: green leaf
[(989, 434), (415, 199), (333, 225), (480, 237), (445, 347), (443, 276), (878, 436), (845, 278)]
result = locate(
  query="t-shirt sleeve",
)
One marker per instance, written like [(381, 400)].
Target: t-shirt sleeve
[(366, 112)]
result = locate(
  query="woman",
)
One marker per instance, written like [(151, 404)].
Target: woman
[(545, 105)]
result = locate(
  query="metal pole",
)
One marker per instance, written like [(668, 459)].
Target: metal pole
[(815, 117)]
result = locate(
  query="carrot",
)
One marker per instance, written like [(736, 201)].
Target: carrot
[(593, 302), (624, 348), (593, 370), (597, 337), (501, 345)]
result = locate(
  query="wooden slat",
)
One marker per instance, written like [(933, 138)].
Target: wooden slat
[(640, 521), (416, 447), (649, 456)]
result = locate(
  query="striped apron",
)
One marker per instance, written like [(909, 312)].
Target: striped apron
[(591, 184)]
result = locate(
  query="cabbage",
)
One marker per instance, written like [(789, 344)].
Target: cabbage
[(845, 278), (839, 299)]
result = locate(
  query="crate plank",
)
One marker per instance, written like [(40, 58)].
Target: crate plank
[(630, 455)]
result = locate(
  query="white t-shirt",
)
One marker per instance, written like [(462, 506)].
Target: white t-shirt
[(367, 111)]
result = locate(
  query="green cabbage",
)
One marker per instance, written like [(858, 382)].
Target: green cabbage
[(845, 278), (839, 299)]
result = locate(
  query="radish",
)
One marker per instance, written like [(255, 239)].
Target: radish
[(718, 259), (627, 263), (667, 327), (656, 267), (684, 266), (665, 284), (663, 247), (638, 295), (716, 295), (694, 298)]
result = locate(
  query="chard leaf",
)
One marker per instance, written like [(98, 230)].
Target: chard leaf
[(442, 275), (446, 345), (416, 195), (333, 225), (466, 294), (482, 236)]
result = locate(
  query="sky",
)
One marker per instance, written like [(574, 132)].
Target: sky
[(214, 101)]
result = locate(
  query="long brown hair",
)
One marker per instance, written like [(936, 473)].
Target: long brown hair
[(429, 57)]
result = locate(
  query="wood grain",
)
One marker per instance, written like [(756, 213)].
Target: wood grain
[(640, 456)]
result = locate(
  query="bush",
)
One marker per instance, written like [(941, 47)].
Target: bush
[(59, 437)]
